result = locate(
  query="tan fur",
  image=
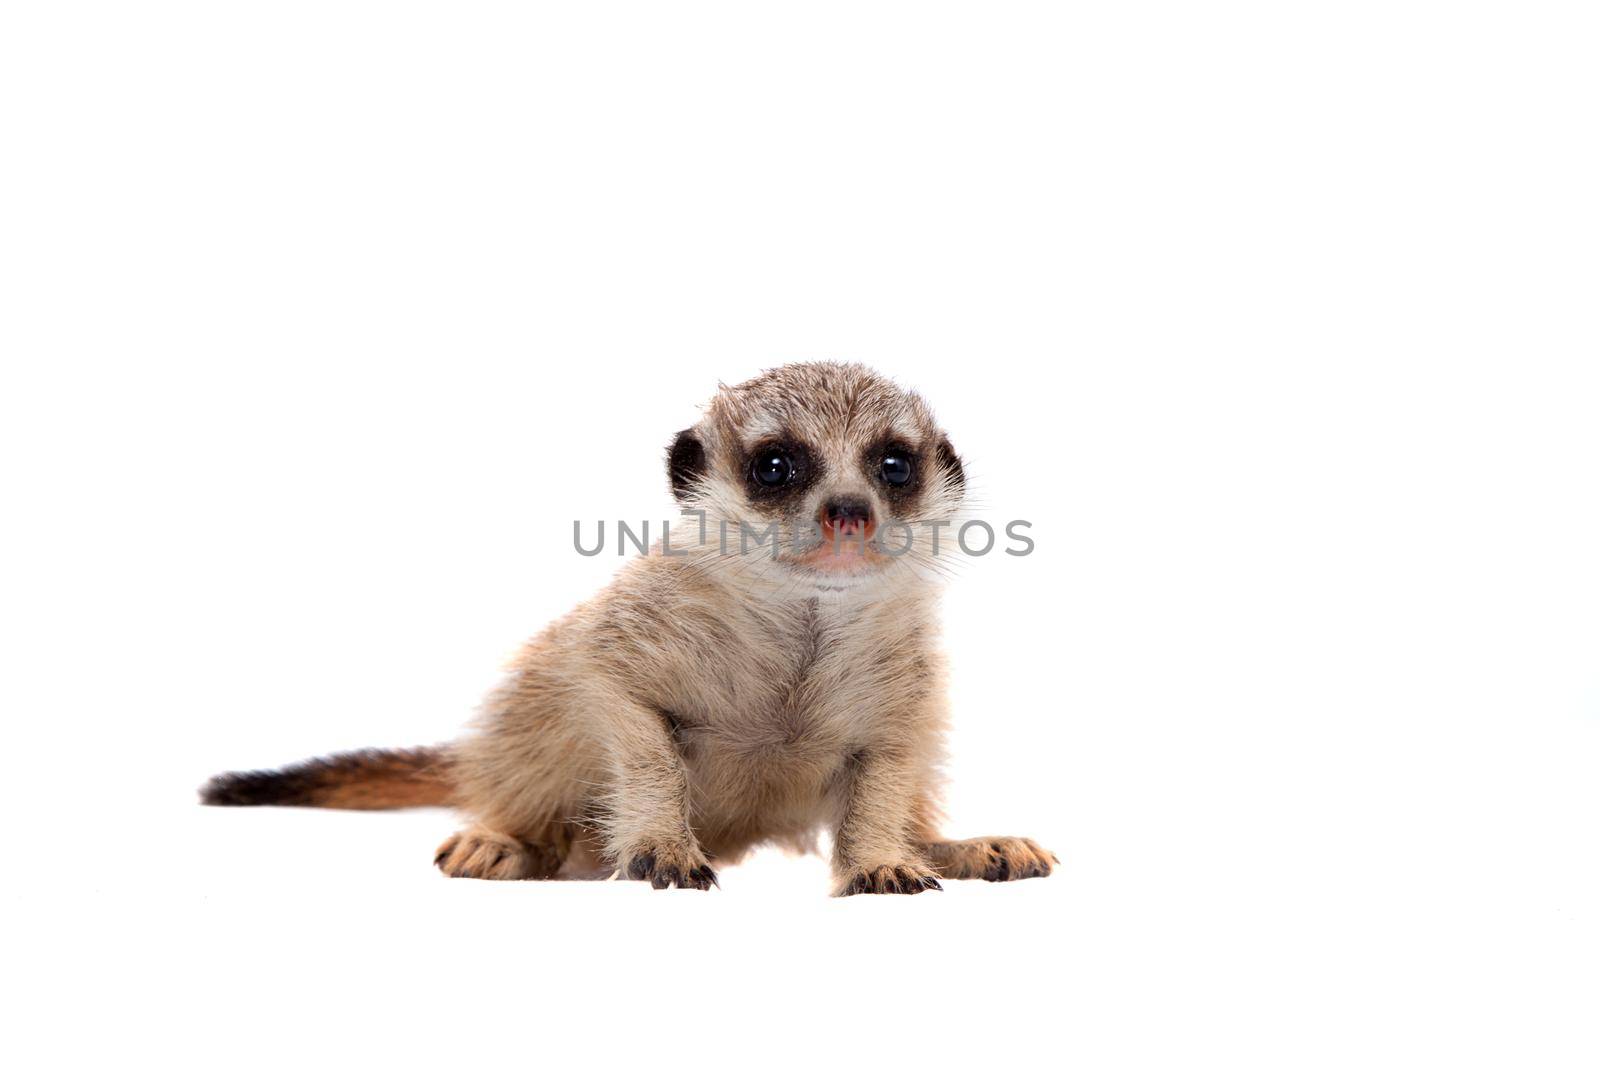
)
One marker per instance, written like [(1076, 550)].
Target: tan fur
[(704, 704)]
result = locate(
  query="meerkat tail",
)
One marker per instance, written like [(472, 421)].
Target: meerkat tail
[(370, 779)]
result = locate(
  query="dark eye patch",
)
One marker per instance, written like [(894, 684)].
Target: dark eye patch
[(777, 471), (894, 463), (773, 468), (899, 469)]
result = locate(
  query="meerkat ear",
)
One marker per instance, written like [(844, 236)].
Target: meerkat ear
[(954, 471), (686, 463)]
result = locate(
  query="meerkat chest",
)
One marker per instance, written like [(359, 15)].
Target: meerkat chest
[(818, 689)]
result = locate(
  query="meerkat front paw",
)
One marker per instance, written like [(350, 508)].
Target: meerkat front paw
[(481, 853), (886, 878), (666, 868)]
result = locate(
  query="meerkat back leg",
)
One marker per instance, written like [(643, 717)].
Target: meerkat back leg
[(479, 852), (518, 780), (994, 859)]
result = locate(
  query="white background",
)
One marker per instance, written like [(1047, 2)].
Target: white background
[(322, 321)]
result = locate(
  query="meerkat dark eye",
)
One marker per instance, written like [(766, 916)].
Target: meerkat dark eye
[(896, 468), (772, 468)]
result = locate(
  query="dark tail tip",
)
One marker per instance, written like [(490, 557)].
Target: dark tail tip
[(370, 779), (252, 788)]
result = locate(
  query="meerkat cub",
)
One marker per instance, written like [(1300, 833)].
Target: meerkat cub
[(740, 684)]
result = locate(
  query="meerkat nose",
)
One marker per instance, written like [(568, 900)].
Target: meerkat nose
[(846, 516)]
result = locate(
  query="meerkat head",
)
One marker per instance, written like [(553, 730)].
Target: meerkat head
[(845, 468)]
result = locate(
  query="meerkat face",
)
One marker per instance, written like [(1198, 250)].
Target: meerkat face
[(845, 469)]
